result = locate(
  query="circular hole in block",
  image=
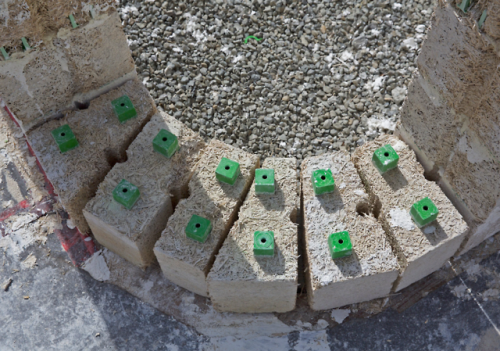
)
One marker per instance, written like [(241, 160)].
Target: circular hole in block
[(323, 177), (164, 139), (386, 154), (125, 190), (227, 167), (264, 176), (122, 104), (197, 225), (341, 241), (263, 240), (63, 134), (426, 208)]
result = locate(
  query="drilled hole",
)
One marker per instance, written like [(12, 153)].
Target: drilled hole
[(341, 241), (323, 177), (125, 190), (386, 154), (263, 240), (264, 177), (164, 139), (197, 225), (63, 134), (227, 167), (426, 208), (122, 104)]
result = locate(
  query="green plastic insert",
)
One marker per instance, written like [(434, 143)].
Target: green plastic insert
[(340, 244), (385, 158), (126, 194), (198, 228), (424, 212), (227, 171), (4, 53), (263, 243), (26, 46), (124, 108), (322, 181), (64, 138), (72, 20), (165, 143), (264, 181)]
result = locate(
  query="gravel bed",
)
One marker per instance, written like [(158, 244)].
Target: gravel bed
[(325, 76)]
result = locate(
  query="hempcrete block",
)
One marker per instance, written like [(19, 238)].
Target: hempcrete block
[(370, 271), (102, 140), (161, 181), (420, 251), (75, 65), (187, 262), (242, 282)]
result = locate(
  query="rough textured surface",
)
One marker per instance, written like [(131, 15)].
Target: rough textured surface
[(420, 251), (371, 270), (76, 174), (161, 181), (242, 282), (187, 262), (77, 65)]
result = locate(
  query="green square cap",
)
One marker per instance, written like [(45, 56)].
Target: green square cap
[(227, 171), (385, 158), (64, 137), (263, 243), (126, 194), (124, 109), (165, 143), (264, 181), (424, 212), (340, 244), (322, 181), (198, 228)]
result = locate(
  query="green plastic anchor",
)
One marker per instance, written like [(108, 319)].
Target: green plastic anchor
[(464, 6), (72, 20), (482, 19), (251, 37), (4, 53)]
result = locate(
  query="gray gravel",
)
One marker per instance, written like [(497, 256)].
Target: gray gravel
[(326, 76)]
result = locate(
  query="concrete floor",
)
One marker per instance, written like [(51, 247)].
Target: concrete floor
[(69, 310)]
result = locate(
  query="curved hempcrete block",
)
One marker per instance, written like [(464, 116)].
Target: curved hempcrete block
[(161, 181), (420, 251), (239, 281), (370, 271), (187, 262)]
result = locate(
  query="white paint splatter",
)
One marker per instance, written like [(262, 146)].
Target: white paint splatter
[(475, 151), (339, 315), (401, 218), (97, 267)]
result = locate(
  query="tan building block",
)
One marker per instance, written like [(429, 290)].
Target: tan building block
[(371, 270), (242, 282), (187, 262), (133, 233), (102, 140), (420, 251)]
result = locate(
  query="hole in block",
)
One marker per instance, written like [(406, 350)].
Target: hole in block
[(122, 104), (164, 139), (63, 134), (426, 208), (323, 177), (263, 240), (264, 176), (227, 167), (341, 241), (82, 105), (386, 154), (197, 225), (125, 190)]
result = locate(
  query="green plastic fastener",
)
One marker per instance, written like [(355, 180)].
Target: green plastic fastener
[(251, 37), (26, 46), (385, 158), (482, 19), (126, 194), (263, 243), (198, 228), (165, 143), (464, 5), (4, 53), (92, 12), (64, 137), (424, 212), (72, 20), (227, 171), (340, 244), (124, 109), (322, 181), (264, 181)]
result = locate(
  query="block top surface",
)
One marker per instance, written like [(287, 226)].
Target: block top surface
[(401, 187), (337, 212)]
